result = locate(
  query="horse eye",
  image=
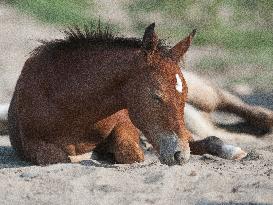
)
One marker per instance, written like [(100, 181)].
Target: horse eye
[(158, 97)]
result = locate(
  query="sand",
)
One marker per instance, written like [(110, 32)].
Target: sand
[(203, 180)]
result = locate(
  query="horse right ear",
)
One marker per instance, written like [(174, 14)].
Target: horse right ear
[(150, 39), (181, 48)]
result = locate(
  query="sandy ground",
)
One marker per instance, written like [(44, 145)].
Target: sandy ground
[(204, 180), (18, 36)]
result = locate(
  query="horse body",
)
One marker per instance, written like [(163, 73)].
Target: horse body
[(72, 89), (62, 93), (74, 96), (60, 101)]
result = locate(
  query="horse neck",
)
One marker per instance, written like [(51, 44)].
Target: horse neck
[(111, 68), (97, 75)]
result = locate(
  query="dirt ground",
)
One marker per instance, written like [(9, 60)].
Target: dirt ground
[(204, 180)]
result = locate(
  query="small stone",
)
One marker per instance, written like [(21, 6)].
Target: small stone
[(28, 176), (234, 189), (252, 155), (209, 157), (193, 173), (269, 172)]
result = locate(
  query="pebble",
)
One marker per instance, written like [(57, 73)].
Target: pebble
[(193, 173), (28, 176)]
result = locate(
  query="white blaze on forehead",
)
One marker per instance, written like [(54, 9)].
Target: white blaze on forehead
[(179, 85)]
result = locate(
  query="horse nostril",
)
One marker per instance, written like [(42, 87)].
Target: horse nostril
[(178, 156)]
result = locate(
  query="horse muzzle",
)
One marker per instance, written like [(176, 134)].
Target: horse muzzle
[(171, 151)]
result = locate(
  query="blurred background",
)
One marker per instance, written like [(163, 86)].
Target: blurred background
[(233, 46)]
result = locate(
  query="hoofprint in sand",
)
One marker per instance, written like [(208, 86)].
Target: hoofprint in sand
[(204, 180)]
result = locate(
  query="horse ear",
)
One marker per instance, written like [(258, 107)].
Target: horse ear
[(181, 48), (150, 39)]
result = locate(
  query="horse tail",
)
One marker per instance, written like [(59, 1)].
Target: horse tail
[(4, 118)]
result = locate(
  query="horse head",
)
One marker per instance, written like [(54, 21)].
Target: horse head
[(156, 95)]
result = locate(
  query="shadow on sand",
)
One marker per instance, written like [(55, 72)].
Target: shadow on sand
[(257, 98), (9, 159), (229, 203), (243, 127), (260, 98)]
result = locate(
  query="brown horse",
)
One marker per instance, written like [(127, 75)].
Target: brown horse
[(95, 91)]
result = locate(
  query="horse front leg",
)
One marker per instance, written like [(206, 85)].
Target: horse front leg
[(215, 146), (125, 144), (40, 152)]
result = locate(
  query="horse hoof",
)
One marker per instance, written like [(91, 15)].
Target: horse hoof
[(233, 153)]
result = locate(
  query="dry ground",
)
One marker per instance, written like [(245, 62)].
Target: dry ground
[(204, 180)]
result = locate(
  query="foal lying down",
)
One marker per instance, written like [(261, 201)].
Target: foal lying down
[(92, 91)]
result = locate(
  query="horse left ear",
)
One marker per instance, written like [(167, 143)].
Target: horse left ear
[(181, 48), (150, 39)]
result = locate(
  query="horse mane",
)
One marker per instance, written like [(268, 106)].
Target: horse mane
[(90, 38)]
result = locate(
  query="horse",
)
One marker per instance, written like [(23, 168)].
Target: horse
[(206, 97), (94, 91)]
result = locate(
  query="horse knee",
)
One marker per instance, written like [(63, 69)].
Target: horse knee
[(43, 153)]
